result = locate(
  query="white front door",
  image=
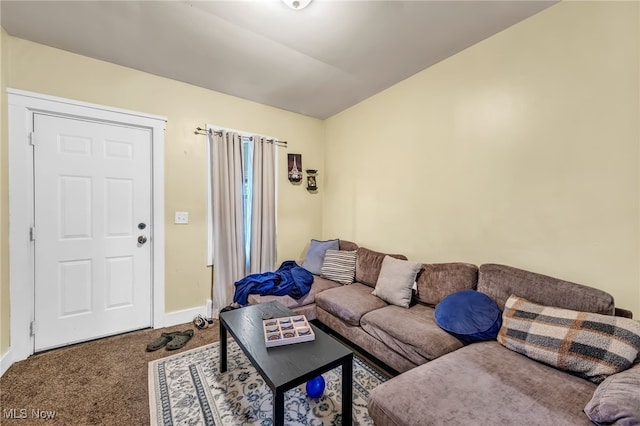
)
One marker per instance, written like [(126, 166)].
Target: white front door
[(92, 230)]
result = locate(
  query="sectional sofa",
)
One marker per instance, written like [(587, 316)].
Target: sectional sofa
[(487, 383), (507, 380)]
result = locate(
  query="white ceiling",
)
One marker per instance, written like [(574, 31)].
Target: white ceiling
[(317, 61)]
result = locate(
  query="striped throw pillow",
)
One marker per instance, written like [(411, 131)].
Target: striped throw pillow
[(339, 266), (591, 345)]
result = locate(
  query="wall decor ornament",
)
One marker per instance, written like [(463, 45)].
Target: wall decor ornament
[(294, 167), (312, 182)]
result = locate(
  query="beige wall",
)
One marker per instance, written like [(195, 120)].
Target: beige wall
[(522, 149), (42, 69), (4, 202)]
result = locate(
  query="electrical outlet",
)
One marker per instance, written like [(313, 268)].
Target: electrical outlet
[(182, 218)]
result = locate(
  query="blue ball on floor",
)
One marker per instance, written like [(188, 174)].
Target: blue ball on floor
[(315, 387)]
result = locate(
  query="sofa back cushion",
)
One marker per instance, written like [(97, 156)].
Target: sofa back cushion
[(368, 265), (438, 280), (347, 245), (500, 282)]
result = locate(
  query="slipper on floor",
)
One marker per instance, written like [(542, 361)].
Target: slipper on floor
[(179, 340), (161, 341)]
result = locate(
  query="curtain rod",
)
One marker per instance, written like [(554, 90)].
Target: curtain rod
[(201, 131)]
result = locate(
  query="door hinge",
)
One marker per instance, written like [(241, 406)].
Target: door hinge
[(32, 328), (32, 233), (32, 139)]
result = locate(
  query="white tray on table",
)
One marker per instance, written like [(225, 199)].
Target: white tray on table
[(287, 330)]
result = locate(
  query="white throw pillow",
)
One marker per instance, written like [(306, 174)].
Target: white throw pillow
[(395, 282)]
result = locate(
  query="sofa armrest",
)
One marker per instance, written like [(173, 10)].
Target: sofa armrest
[(619, 312)]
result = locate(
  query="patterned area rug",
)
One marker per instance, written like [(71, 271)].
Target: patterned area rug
[(188, 389)]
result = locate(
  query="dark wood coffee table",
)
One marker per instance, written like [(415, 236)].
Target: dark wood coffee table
[(285, 367)]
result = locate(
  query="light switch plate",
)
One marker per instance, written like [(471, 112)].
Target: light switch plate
[(182, 218)]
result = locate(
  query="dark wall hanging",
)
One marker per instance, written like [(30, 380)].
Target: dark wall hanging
[(295, 167), (312, 182)]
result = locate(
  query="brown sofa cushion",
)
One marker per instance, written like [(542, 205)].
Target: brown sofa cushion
[(349, 303), (482, 384), (501, 281), (347, 245), (437, 280), (617, 399), (368, 264), (411, 332)]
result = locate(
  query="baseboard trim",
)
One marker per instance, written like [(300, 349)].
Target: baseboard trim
[(170, 319), (186, 315), (6, 361)]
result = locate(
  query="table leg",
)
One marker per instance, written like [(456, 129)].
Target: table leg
[(223, 347), (278, 407), (347, 390)]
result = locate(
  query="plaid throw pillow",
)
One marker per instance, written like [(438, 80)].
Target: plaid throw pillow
[(339, 266), (591, 345)]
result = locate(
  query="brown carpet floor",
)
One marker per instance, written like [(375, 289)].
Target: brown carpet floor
[(102, 382)]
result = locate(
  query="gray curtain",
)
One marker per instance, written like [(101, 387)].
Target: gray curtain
[(229, 260), (263, 215)]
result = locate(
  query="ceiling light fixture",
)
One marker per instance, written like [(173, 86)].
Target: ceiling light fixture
[(297, 4)]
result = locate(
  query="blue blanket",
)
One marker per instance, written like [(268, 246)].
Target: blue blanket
[(289, 279)]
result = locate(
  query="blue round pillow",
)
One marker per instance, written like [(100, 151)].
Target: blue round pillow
[(469, 315)]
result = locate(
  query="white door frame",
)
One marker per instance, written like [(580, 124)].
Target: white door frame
[(21, 106)]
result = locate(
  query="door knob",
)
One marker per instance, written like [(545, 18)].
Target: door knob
[(142, 239)]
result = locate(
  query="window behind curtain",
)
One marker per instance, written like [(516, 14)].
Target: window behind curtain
[(247, 162), (247, 170)]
